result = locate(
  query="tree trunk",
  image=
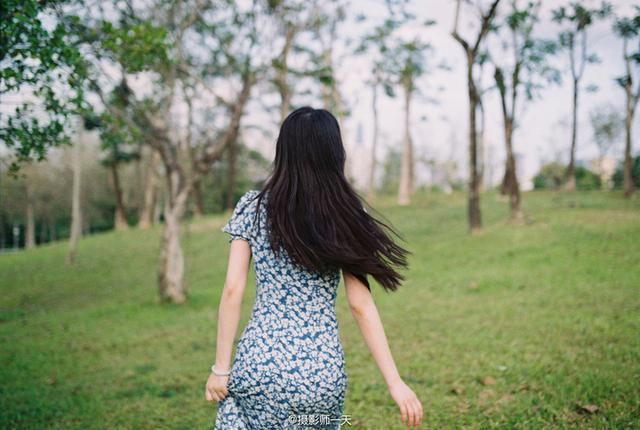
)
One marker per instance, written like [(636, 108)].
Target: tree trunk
[(171, 282), (571, 169), (198, 200), (628, 160), (406, 171), (481, 142), (513, 188), (231, 174), (475, 218), (283, 73), (76, 211), (30, 233), (120, 216), (374, 144), (150, 192)]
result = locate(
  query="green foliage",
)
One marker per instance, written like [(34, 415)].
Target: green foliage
[(587, 179), (618, 175), (532, 69), (550, 176), (579, 18), (42, 66), (628, 29), (608, 124)]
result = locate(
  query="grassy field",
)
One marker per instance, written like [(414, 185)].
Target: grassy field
[(521, 326)]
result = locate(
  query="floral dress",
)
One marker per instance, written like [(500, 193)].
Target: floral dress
[(289, 367)]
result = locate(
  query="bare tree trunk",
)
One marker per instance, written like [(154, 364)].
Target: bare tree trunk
[(481, 142), (171, 282), (512, 178), (629, 186), (571, 169), (406, 171), (231, 174), (475, 218), (374, 144), (150, 193), (471, 51), (198, 200), (30, 234), (76, 211), (283, 73), (120, 212)]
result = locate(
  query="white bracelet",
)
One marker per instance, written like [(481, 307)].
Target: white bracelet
[(215, 372)]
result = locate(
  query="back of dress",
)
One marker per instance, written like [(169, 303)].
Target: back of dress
[(289, 360)]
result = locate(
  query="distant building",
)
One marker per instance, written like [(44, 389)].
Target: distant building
[(604, 167)]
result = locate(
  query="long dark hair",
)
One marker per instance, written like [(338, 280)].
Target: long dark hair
[(313, 211)]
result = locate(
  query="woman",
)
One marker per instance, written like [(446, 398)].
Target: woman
[(304, 228)]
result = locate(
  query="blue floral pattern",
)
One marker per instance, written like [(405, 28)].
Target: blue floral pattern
[(289, 361)]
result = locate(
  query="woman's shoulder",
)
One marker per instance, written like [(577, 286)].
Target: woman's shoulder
[(248, 198)]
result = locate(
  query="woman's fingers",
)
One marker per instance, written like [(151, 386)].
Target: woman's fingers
[(403, 413), (420, 411), (221, 393), (412, 414)]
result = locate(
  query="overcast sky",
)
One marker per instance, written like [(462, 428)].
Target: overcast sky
[(541, 135)]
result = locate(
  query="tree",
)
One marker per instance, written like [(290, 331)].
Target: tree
[(76, 208), (41, 79), (527, 69), (291, 20), (399, 61), (607, 124), (574, 40), (120, 146), (184, 44), (629, 30), (376, 44), (471, 50), (145, 219), (408, 66)]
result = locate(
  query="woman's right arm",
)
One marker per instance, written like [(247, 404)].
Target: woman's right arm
[(366, 314)]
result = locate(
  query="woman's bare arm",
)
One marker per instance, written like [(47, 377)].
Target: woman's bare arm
[(229, 316), (366, 314)]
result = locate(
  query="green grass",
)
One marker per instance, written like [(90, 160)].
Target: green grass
[(550, 310)]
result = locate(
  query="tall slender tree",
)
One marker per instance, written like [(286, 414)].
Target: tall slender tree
[(526, 72), (628, 28), (471, 50), (375, 43), (409, 65), (575, 42)]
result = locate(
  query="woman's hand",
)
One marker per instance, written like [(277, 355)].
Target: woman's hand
[(216, 388), (410, 406)]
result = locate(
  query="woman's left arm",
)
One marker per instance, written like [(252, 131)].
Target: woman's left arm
[(229, 316)]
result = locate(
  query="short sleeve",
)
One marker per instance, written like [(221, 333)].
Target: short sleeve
[(240, 225)]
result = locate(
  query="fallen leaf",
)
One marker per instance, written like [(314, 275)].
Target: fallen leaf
[(488, 380), (589, 409), (458, 390)]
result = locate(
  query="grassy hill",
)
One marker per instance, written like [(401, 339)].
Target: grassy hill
[(517, 327)]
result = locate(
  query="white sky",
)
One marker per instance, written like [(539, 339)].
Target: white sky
[(541, 137), (440, 129)]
